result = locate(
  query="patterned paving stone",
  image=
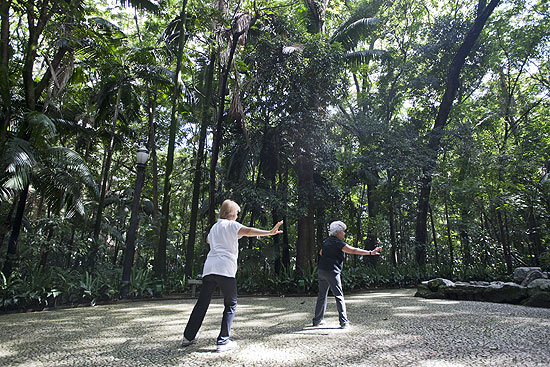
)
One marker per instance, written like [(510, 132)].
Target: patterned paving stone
[(388, 328)]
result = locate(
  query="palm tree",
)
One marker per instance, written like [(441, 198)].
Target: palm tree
[(56, 173)]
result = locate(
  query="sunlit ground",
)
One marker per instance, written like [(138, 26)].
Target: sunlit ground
[(389, 328)]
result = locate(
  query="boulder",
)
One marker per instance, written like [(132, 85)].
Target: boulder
[(438, 283), (425, 292), (508, 292), (541, 299), (465, 291), (434, 288), (521, 273), (532, 275), (538, 286), (536, 294)]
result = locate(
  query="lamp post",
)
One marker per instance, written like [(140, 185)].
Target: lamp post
[(142, 155)]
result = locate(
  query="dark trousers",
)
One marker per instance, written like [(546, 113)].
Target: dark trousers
[(228, 287), (328, 279)]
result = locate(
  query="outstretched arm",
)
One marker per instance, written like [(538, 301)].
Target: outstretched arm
[(252, 232), (357, 251)]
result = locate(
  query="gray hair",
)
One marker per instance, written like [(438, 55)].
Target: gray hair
[(335, 227)]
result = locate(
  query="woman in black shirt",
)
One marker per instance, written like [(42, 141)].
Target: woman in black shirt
[(329, 269)]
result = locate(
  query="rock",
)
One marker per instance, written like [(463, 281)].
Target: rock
[(437, 283), (508, 292), (532, 275), (521, 273), (541, 299), (465, 291), (425, 292), (538, 286)]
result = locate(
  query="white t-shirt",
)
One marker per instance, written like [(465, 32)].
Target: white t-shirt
[(224, 248)]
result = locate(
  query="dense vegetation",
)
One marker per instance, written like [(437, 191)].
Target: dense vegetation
[(421, 124)]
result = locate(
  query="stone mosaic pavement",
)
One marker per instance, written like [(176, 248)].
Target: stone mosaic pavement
[(389, 328)]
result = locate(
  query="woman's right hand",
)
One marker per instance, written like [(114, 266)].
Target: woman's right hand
[(275, 230), (376, 251)]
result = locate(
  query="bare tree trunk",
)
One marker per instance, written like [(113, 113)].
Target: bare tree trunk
[(11, 256), (105, 178), (197, 177), (218, 133), (159, 265), (391, 215), (306, 226), (451, 257), (534, 235), (453, 79), (434, 235), (276, 239), (373, 208), (286, 246), (504, 242), (5, 88)]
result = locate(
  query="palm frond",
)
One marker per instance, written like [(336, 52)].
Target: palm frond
[(18, 163), (39, 128), (156, 74), (362, 57), (98, 40), (60, 177), (67, 160), (349, 35)]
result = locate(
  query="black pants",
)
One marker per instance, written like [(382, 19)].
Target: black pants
[(228, 287)]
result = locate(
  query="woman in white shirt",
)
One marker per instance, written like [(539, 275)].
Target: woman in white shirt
[(219, 270)]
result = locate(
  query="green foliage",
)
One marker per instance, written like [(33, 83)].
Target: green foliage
[(141, 282)]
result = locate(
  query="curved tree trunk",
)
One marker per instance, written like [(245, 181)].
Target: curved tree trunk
[(453, 79)]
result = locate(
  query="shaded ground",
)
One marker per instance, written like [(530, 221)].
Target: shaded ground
[(389, 328)]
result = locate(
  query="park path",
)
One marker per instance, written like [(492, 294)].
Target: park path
[(388, 328)]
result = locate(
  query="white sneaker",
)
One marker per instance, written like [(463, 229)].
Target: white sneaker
[(227, 346), (186, 343)]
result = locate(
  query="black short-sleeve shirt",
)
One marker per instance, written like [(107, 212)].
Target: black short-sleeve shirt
[(332, 258)]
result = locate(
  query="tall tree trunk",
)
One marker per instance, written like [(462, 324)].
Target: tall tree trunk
[(434, 235), (450, 239), (197, 176), (5, 88), (286, 245), (306, 225), (453, 79), (159, 265), (358, 218), (152, 147), (504, 242), (11, 256), (276, 239), (46, 247), (70, 245), (391, 218), (105, 179), (373, 208), (218, 133), (534, 235)]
